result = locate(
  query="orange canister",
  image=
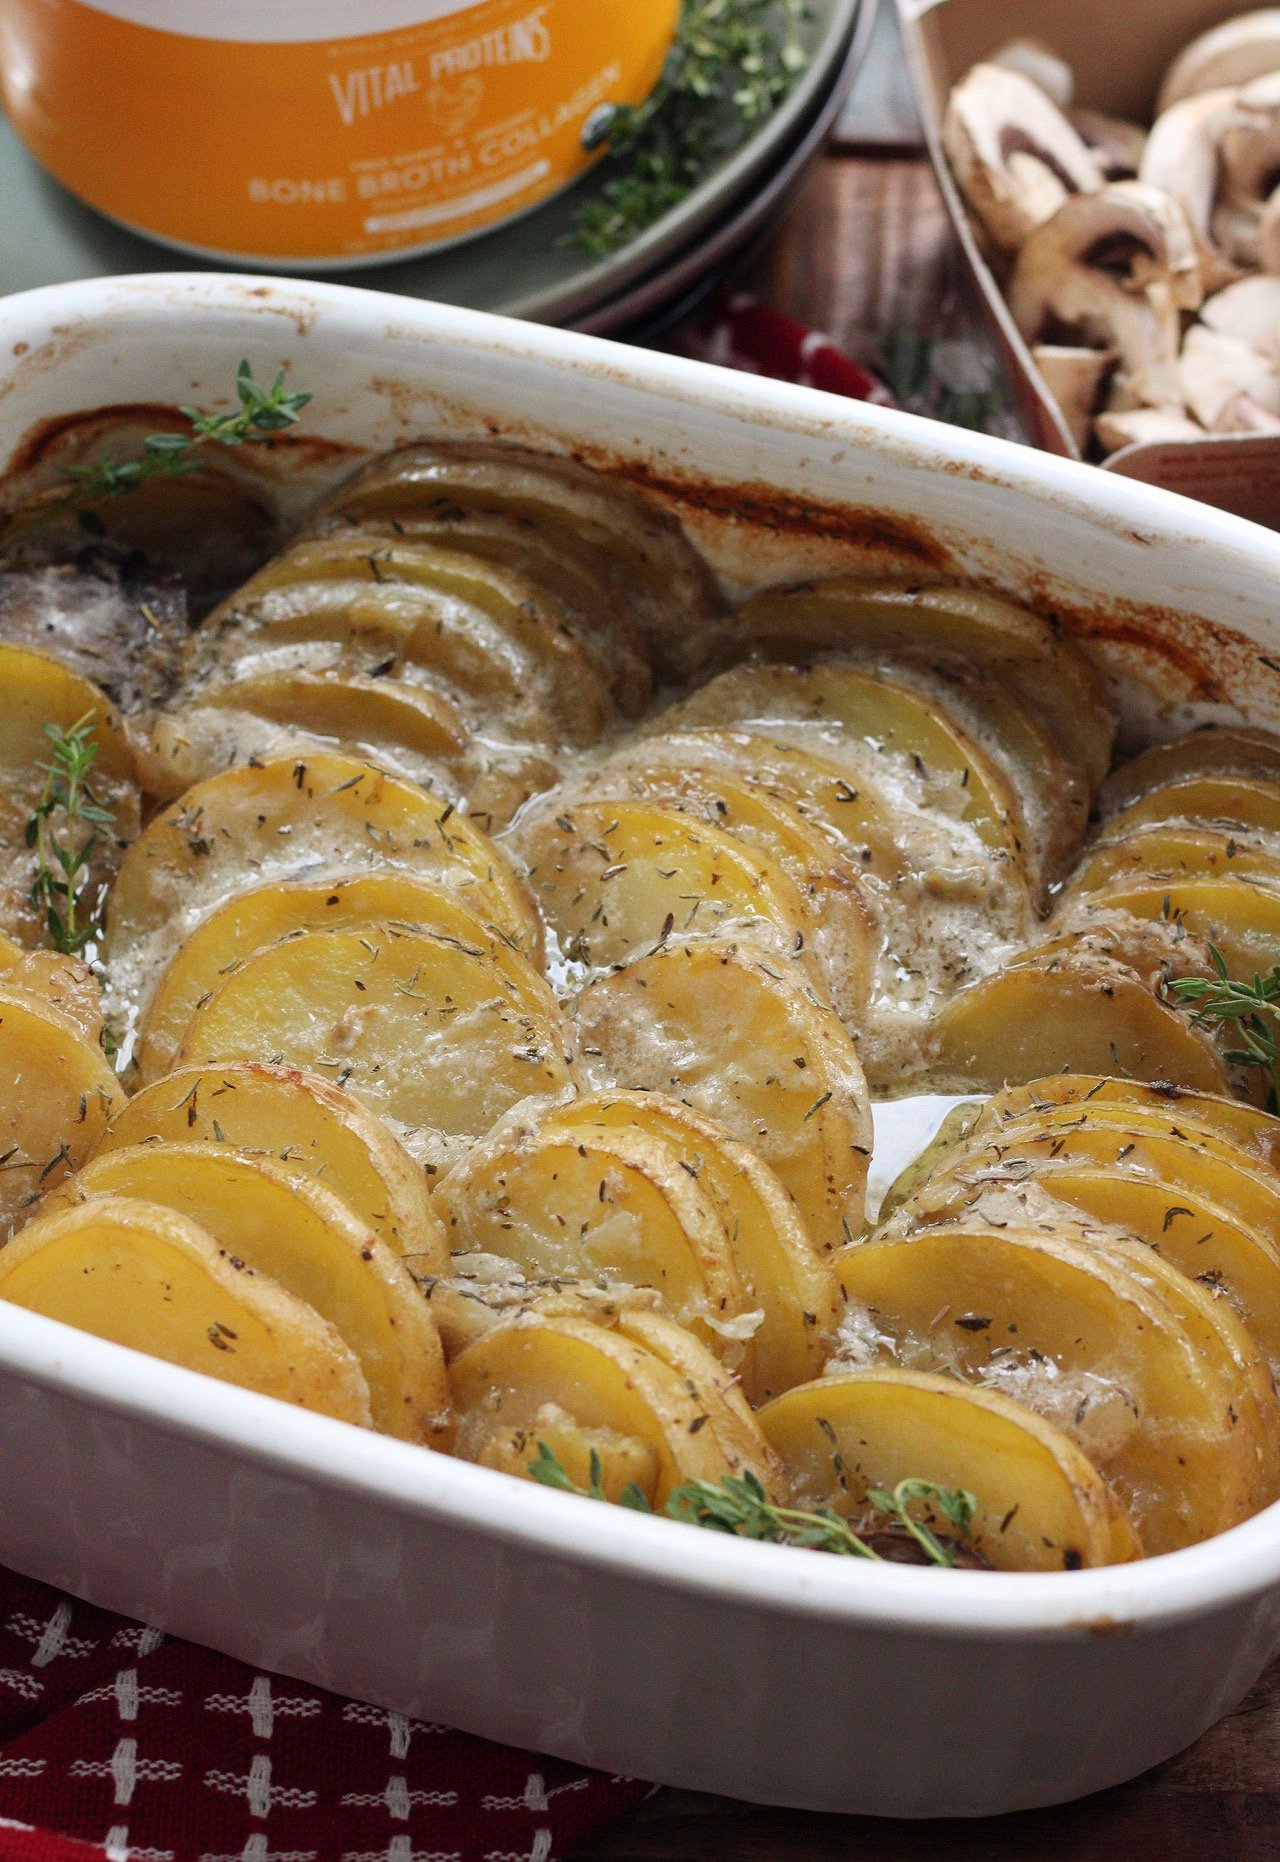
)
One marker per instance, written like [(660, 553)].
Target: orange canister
[(322, 133)]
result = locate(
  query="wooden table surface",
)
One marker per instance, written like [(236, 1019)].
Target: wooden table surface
[(866, 249)]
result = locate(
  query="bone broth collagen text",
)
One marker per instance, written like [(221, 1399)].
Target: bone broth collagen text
[(274, 135)]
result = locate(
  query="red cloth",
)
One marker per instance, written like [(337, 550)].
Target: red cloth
[(117, 1741), (114, 1740)]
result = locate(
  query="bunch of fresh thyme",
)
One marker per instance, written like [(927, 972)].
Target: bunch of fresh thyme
[(739, 1505), (732, 63), (1252, 1008), (65, 830)]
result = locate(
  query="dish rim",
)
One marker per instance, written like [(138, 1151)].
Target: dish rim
[(1230, 1569)]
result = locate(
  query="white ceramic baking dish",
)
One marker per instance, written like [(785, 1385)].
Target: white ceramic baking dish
[(448, 1592)]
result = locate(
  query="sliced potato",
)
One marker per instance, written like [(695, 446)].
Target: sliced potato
[(308, 1128), (1041, 1504), (601, 1205), (712, 775), (1223, 750), (1247, 1126), (1076, 1334), (710, 1384), (491, 641), (1240, 917), (1197, 1236), (140, 1274), (1058, 1013), (782, 1270), (615, 878), (248, 921), (39, 694), (1167, 850), (255, 826), (62, 983), (742, 1040), (852, 705), (580, 1388), (1233, 801), (56, 1096), (311, 1244), (437, 1036), (642, 554), (1055, 680)]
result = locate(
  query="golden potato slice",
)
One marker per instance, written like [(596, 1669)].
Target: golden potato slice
[(63, 983), (256, 826), (1197, 1236), (1166, 850), (577, 1388), (40, 692), (438, 1036), (1232, 801), (641, 552), (309, 1242), (1247, 1126), (852, 705), (491, 641), (307, 1127), (1054, 679), (615, 878), (1058, 1013), (1041, 1504), (712, 776), (742, 1040), (250, 920), (1131, 1141), (594, 1204), (1073, 1332), (1240, 917), (11, 952), (142, 1275), (56, 1095), (711, 1385), (784, 1274), (1223, 750)]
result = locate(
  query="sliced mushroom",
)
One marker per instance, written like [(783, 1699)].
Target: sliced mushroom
[(1269, 236), (1141, 426), (1113, 141), (1039, 62), (1112, 270), (1214, 368), (1181, 159), (1014, 155), (1242, 414), (1076, 378), (1233, 53), (1249, 311), (1249, 168)]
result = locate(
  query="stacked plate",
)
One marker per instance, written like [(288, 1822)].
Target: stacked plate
[(528, 268)]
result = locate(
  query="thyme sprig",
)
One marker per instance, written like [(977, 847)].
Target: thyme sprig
[(738, 1505), (65, 830), (1253, 1008), (731, 65), (262, 412)]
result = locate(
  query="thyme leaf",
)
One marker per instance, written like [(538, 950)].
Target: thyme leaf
[(65, 830), (1252, 1009), (738, 1504), (731, 64), (262, 411)]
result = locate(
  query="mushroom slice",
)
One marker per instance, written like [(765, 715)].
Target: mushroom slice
[(1142, 426), (1181, 160), (1233, 53), (1242, 414), (1114, 268), (1214, 369), (1015, 156), (1113, 141), (1033, 59), (1076, 378), (1249, 311)]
